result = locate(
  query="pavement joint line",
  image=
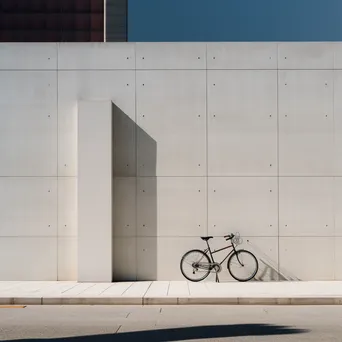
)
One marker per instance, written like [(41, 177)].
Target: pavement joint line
[(106, 288), (70, 288), (87, 289), (127, 289), (41, 288), (147, 289)]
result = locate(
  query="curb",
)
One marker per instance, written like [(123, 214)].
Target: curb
[(171, 301)]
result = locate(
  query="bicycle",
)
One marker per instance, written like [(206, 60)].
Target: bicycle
[(204, 261)]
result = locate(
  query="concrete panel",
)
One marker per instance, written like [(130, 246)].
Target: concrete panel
[(306, 206), (74, 56), (242, 55), (147, 258), (338, 258), (171, 110), (28, 259), (28, 130), (308, 258), (28, 140), (306, 123), (124, 206), (242, 123), (248, 205), (170, 56), (67, 206), (305, 55), (95, 191), (124, 143), (22, 88), (28, 206), (124, 259), (147, 206), (337, 188), (117, 86), (337, 56), (137, 290), (32, 56), (159, 258), (67, 258), (171, 206), (179, 289), (338, 123)]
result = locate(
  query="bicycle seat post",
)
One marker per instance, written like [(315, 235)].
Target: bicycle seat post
[(209, 249), (206, 239)]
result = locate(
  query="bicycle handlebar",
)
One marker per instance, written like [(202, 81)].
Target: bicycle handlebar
[(229, 237)]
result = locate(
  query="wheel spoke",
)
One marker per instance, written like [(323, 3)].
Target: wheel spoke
[(195, 265), (243, 265)]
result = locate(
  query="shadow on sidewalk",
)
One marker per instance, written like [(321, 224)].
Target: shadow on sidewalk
[(184, 334)]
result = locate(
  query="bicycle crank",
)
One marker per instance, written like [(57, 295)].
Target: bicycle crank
[(217, 267)]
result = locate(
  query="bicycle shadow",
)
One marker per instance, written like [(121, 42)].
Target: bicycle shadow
[(185, 334), (269, 270)]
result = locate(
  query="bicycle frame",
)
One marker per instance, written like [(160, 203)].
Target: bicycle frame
[(219, 250)]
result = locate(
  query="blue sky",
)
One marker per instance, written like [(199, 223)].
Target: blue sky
[(235, 20)]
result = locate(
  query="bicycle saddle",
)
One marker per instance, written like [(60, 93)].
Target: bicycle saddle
[(206, 238)]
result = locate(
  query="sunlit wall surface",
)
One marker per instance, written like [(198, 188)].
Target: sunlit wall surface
[(207, 139)]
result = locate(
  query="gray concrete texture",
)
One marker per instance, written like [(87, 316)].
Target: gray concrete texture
[(208, 139), (157, 324), (94, 194)]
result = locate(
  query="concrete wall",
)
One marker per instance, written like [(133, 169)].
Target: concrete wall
[(208, 139)]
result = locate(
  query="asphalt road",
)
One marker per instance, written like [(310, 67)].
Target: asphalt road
[(171, 323)]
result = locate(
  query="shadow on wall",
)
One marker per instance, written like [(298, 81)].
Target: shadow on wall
[(271, 273), (188, 333), (134, 201), (135, 251), (269, 270)]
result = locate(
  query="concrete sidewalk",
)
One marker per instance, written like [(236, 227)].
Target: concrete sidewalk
[(171, 293)]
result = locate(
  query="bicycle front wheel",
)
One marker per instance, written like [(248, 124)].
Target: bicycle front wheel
[(243, 265), (195, 265)]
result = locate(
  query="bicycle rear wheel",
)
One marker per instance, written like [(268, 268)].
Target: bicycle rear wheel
[(195, 265), (243, 265)]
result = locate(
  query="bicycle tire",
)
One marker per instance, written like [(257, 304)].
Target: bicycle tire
[(183, 260), (236, 254)]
